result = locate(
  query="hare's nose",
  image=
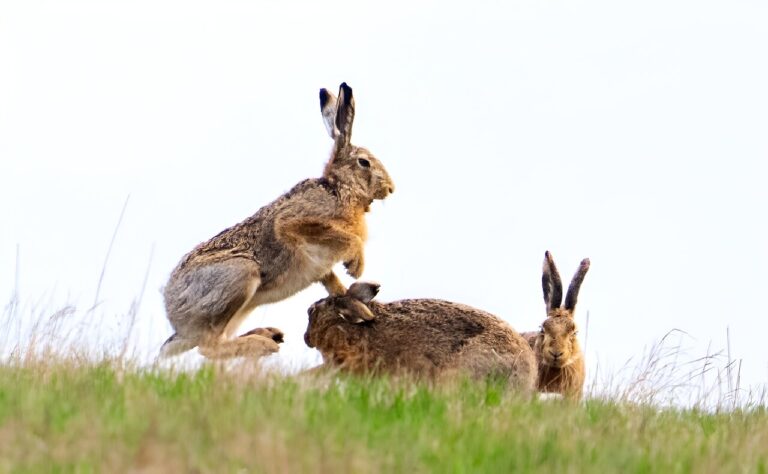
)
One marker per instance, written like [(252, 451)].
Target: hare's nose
[(556, 355)]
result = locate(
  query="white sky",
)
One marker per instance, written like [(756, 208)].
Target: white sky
[(634, 134)]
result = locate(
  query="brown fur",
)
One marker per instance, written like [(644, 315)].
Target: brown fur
[(559, 356), (423, 337), (283, 248)]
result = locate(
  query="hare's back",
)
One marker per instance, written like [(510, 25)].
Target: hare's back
[(453, 337), (427, 324)]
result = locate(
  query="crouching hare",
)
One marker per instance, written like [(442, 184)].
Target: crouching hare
[(283, 248), (423, 337), (559, 357)]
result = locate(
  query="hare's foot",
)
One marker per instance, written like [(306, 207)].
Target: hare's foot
[(253, 345), (333, 285), (269, 332), (355, 266), (175, 345)]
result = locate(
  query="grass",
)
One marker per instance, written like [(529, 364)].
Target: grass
[(96, 412), (75, 416)]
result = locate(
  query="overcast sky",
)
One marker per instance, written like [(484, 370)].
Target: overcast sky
[(633, 134)]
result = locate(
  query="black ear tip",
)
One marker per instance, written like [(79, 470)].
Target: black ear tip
[(548, 262), (325, 96), (375, 287), (347, 90)]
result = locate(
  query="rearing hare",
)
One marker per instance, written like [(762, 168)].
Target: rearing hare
[(423, 337), (561, 362), (283, 248)]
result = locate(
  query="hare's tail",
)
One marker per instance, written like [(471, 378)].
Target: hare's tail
[(175, 345)]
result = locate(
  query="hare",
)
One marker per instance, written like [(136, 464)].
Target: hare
[(559, 357), (427, 338), (283, 248)]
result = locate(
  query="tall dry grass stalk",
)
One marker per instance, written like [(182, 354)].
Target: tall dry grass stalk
[(666, 374)]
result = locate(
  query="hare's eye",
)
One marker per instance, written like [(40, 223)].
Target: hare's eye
[(364, 163)]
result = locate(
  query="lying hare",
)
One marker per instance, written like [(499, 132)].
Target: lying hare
[(560, 360), (422, 337), (283, 248)]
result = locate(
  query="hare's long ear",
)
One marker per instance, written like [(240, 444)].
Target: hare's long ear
[(576, 281), (328, 109), (355, 311), (550, 283), (345, 115), (363, 291)]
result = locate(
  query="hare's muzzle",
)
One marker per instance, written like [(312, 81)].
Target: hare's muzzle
[(385, 190), (557, 360)]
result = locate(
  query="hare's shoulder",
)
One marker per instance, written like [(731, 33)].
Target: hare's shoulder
[(310, 198), (257, 231), (308, 195)]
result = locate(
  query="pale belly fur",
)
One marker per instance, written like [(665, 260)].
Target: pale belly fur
[(312, 263)]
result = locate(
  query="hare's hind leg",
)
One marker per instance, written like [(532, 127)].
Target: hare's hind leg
[(206, 304), (250, 345), (211, 302), (237, 317), (257, 342)]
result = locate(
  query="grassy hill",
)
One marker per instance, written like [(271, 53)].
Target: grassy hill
[(69, 416)]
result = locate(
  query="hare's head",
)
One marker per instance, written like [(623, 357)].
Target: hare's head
[(557, 342), (350, 165), (352, 307)]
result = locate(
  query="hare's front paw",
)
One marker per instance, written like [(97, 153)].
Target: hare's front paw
[(355, 267)]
